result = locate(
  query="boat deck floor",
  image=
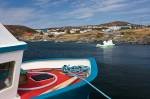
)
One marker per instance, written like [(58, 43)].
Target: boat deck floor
[(61, 77)]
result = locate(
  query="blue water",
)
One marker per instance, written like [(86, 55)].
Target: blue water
[(124, 69)]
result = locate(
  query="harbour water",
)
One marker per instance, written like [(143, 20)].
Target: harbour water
[(124, 70)]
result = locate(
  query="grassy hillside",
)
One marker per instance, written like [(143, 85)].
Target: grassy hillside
[(139, 36), (116, 23), (136, 35), (85, 37)]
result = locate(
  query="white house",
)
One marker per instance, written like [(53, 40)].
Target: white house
[(115, 28), (38, 30), (56, 33), (11, 52), (75, 30), (42, 30), (86, 30)]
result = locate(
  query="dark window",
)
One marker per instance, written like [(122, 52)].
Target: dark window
[(6, 74)]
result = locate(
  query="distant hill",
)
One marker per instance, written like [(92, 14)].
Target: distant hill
[(116, 23), (18, 30)]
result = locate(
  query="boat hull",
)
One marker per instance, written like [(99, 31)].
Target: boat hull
[(79, 90)]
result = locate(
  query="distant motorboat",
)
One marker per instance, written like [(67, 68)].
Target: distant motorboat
[(45, 40), (106, 44)]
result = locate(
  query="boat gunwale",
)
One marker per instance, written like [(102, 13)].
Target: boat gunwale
[(90, 78), (13, 47)]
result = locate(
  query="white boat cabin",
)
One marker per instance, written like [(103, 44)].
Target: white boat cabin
[(11, 52)]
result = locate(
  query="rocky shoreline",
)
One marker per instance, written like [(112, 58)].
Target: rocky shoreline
[(140, 36), (136, 34)]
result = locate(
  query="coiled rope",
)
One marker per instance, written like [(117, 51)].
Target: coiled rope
[(72, 71)]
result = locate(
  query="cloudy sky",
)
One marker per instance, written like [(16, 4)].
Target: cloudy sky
[(51, 13)]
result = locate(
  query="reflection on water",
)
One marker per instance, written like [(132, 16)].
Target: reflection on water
[(108, 54)]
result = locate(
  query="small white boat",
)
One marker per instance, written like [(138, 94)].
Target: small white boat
[(106, 44), (45, 40)]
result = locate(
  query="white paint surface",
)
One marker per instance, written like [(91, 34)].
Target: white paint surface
[(54, 63), (11, 92), (6, 38)]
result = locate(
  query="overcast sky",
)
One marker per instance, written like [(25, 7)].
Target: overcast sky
[(51, 13)]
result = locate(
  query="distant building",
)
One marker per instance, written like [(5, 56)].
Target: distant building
[(93, 27), (75, 30), (86, 30), (116, 28), (56, 33), (42, 30), (107, 30)]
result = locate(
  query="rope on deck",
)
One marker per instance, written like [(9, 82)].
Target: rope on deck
[(76, 70), (98, 90)]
